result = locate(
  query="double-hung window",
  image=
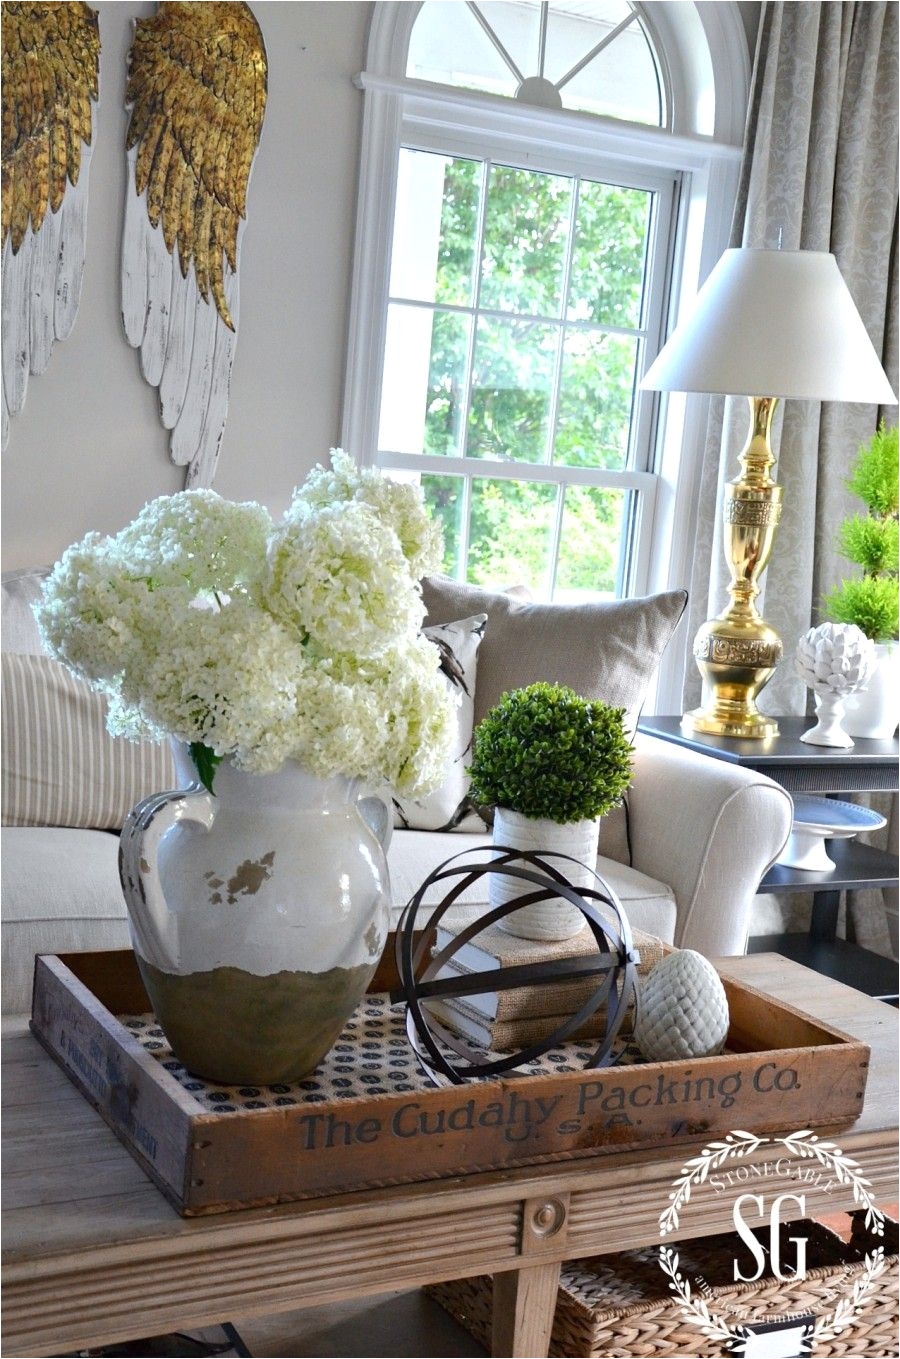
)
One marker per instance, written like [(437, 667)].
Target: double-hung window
[(520, 304), (516, 253)]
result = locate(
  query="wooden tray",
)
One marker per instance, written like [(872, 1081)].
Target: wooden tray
[(783, 1070)]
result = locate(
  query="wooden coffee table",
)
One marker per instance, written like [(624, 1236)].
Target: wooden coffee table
[(93, 1253)]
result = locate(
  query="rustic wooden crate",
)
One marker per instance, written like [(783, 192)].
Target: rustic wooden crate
[(782, 1069)]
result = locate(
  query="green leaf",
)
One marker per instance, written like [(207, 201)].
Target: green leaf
[(206, 762), (874, 476), (872, 542), (871, 603)]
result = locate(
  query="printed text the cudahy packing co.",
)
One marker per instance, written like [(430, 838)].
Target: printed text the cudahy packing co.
[(600, 1103)]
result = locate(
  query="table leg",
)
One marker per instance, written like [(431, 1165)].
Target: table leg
[(524, 1303), (823, 925)]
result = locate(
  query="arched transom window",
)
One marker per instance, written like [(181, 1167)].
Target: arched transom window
[(592, 55)]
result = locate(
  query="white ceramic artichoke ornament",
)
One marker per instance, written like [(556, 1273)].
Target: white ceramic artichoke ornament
[(834, 660), (683, 1010)]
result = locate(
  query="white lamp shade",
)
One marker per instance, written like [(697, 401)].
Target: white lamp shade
[(776, 323)]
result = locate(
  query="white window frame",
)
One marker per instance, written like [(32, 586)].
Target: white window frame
[(707, 71)]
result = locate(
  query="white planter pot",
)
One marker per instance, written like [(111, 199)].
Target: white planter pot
[(874, 712), (556, 918)]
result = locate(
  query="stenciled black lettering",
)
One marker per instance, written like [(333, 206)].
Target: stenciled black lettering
[(400, 1124), (462, 1119), (312, 1122), (665, 1091), (587, 1093), (771, 1077), (728, 1088)]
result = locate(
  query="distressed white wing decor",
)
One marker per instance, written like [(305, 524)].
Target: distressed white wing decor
[(197, 93), (51, 57)]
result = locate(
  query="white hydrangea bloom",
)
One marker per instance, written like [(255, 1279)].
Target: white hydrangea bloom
[(228, 679), (203, 621), (415, 726), (399, 504), (197, 539), (95, 615), (339, 577)]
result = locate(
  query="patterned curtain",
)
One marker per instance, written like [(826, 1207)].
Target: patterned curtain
[(820, 172)]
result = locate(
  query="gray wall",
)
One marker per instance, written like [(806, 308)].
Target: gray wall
[(88, 450)]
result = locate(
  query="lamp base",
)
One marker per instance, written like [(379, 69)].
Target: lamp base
[(737, 652), (748, 725), (736, 656)]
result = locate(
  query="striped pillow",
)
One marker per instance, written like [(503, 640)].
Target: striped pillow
[(60, 766)]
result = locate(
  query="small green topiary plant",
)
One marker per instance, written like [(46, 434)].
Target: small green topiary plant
[(871, 541), (544, 751)]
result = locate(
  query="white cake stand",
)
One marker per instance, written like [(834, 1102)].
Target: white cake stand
[(817, 819)]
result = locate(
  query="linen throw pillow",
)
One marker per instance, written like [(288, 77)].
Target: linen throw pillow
[(60, 766), (448, 808), (608, 651)]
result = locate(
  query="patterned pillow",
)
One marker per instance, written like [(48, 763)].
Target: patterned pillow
[(448, 808), (60, 766)]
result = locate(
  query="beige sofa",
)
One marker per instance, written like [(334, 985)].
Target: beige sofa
[(701, 832)]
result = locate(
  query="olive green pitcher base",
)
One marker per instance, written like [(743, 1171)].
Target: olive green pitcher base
[(236, 1028)]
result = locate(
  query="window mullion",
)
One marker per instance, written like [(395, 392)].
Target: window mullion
[(515, 471), (529, 318), (542, 37), (596, 50), (473, 311), (465, 525), (556, 539), (496, 43), (553, 412)]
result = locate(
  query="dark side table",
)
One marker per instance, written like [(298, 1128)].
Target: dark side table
[(867, 767)]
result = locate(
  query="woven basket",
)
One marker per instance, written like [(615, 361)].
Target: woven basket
[(619, 1306)]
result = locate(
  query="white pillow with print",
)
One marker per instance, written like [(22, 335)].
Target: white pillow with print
[(448, 808)]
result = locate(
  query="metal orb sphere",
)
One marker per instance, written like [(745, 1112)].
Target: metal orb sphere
[(614, 964)]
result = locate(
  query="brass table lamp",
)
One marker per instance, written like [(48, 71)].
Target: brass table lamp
[(766, 324)]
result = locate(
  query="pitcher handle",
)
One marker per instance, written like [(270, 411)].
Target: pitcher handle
[(148, 912), (377, 810)]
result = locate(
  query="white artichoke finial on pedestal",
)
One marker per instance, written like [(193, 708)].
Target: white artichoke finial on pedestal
[(834, 660)]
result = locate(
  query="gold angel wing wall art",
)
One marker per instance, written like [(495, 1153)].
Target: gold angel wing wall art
[(50, 68), (197, 83)]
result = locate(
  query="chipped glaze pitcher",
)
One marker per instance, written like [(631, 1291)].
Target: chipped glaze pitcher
[(258, 915)]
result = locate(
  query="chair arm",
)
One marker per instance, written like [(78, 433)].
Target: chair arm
[(710, 830)]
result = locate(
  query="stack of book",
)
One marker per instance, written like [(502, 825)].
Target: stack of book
[(504, 1021)]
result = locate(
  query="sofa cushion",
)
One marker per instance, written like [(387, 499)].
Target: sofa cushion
[(648, 904), (60, 766), (448, 807), (61, 894), (607, 650)]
